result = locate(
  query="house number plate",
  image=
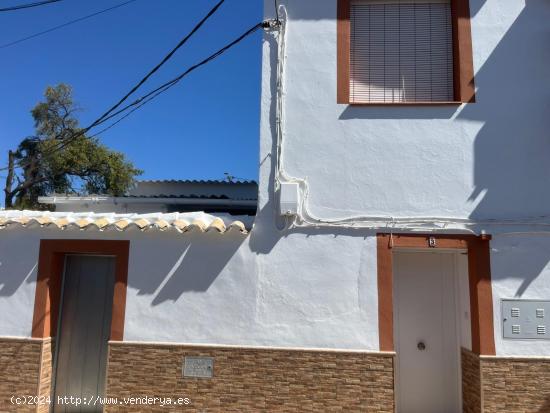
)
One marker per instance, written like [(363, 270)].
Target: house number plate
[(202, 367)]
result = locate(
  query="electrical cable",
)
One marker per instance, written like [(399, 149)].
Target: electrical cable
[(29, 5), (99, 120), (165, 59), (277, 10), (32, 36), (143, 100), (149, 96), (305, 218), (106, 116)]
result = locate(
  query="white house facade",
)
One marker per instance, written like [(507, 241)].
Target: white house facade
[(398, 260)]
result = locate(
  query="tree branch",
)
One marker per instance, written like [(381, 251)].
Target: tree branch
[(8, 195)]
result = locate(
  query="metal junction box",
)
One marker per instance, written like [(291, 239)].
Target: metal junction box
[(526, 319)]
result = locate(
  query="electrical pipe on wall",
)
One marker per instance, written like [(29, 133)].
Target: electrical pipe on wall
[(303, 216)]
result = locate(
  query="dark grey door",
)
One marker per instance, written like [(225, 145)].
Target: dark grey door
[(84, 329)]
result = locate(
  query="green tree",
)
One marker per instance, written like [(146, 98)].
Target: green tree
[(82, 166)]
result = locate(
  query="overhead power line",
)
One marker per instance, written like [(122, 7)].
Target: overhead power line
[(99, 120), (142, 101), (32, 36), (137, 104), (166, 58), (29, 5), (277, 10), (165, 86)]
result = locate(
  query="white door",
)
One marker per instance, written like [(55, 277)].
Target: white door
[(427, 363)]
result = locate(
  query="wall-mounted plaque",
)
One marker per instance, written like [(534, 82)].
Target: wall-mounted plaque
[(202, 367)]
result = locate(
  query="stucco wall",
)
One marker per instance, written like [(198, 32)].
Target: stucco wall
[(520, 270), (300, 291), (480, 161), (317, 287), (18, 264)]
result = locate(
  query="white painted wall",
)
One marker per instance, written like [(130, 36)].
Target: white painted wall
[(480, 161), (317, 287), (520, 269), (220, 289), (18, 263), (302, 290)]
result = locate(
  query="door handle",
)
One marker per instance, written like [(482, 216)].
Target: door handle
[(421, 346)]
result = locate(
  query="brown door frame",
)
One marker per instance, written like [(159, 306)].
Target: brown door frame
[(51, 263), (479, 275)]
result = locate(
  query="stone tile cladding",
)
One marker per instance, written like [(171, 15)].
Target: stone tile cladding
[(505, 384), (19, 371), (253, 380), (471, 382), (515, 385), (46, 371)]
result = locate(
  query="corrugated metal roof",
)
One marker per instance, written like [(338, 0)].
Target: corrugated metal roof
[(199, 181), (181, 222), (97, 198), (190, 196)]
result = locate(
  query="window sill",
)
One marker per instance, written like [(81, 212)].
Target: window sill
[(442, 103)]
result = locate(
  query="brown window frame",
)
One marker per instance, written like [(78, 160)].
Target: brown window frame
[(51, 264), (463, 66)]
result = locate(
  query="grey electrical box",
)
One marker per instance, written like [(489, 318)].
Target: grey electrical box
[(526, 319)]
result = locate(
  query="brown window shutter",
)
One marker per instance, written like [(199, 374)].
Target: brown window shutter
[(376, 63)]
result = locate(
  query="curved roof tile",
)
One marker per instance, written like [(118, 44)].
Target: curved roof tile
[(181, 222)]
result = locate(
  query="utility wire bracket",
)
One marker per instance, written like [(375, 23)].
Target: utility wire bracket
[(271, 24)]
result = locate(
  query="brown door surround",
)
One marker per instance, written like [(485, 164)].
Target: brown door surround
[(50, 273), (479, 274)]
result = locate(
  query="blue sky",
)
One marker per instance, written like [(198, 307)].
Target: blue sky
[(207, 125)]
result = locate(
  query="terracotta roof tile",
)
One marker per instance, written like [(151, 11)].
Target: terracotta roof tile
[(181, 222)]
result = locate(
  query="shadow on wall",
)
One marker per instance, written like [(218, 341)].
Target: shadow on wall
[(11, 278), (325, 10), (511, 155), (398, 112), (266, 235), (191, 267), (509, 260), (310, 9), (512, 158)]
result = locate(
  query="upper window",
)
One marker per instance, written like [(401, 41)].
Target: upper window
[(404, 52), (401, 51)]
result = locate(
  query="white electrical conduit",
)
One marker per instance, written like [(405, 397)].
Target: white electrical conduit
[(305, 218)]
